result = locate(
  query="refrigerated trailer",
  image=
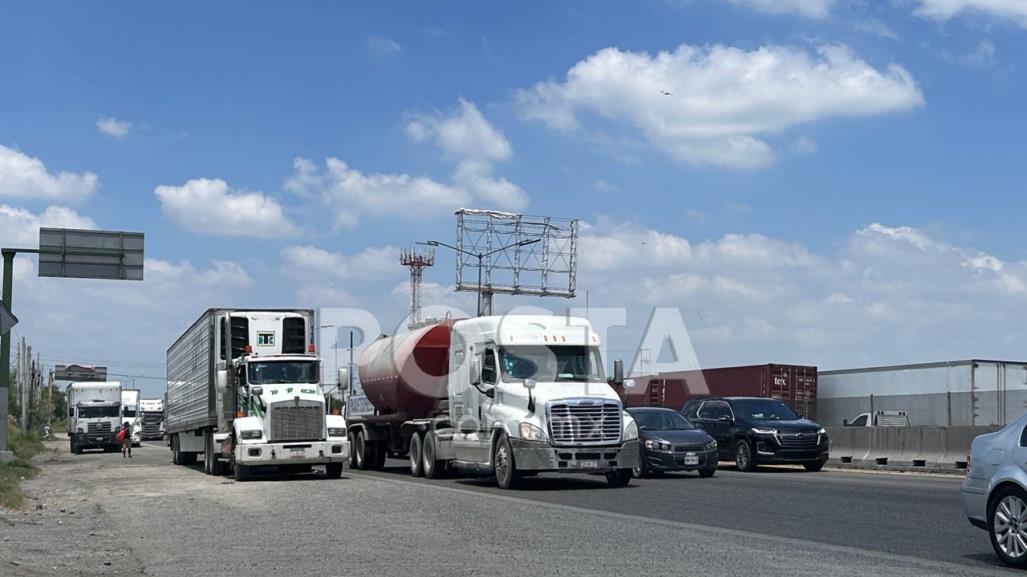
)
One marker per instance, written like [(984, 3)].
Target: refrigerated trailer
[(94, 415), (244, 391), (514, 396)]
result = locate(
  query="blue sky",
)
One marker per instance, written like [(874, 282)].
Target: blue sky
[(830, 182)]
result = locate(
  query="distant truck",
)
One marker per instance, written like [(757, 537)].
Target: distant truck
[(151, 419), (879, 419), (94, 415), (130, 413), (511, 395), (244, 391)]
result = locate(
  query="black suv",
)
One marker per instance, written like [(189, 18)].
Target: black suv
[(755, 431)]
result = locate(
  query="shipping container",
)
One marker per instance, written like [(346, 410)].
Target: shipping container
[(796, 385)]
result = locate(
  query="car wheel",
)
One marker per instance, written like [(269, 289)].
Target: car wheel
[(1007, 513), (743, 456), (640, 471), (814, 467)]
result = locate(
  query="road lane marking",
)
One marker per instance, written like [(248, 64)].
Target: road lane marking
[(787, 541)]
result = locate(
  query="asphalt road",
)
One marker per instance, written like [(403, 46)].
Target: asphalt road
[(98, 514)]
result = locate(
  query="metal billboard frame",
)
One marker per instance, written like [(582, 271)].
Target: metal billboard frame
[(94, 254)]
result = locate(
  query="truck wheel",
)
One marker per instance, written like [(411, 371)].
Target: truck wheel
[(619, 477), (360, 451), (241, 473), (744, 460), (504, 465), (352, 451), (333, 470), (381, 451), (433, 468), (416, 464), (176, 456)]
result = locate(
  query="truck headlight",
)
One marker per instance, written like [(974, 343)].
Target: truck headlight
[(711, 445), (631, 431), (530, 432), (758, 431), (336, 432), (252, 434), (658, 446)]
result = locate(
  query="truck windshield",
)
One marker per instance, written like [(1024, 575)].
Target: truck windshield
[(550, 363), (98, 412), (282, 372), (763, 410), (128, 410)]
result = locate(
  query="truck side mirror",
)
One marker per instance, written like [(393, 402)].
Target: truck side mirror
[(530, 384), (475, 371), (256, 391), (618, 372), (343, 378)]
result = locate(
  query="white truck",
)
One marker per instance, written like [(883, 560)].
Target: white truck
[(151, 419), (512, 395), (130, 413), (244, 391), (879, 419), (94, 415)]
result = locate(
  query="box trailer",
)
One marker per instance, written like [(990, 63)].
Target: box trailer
[(94, 415), (244, 391)]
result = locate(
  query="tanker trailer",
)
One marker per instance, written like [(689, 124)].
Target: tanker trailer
[(513, 396)]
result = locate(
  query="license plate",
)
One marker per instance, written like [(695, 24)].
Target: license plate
[(691, 459), (588, 464), (297, 453)]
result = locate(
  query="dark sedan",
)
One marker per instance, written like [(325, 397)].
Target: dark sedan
[(669, 442)]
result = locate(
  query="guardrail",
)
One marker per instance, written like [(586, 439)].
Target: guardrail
[(921, 446)]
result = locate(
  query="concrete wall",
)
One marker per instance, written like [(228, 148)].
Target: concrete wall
[(940, 447), (961, 393)]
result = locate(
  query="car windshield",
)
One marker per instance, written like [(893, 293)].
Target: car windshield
[(661, 421), (98, 412), (763, 410), (282, 372), (550, 363)]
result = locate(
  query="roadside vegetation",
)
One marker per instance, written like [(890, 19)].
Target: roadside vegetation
[(24, 446)]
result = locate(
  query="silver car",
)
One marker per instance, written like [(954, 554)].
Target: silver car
[(995, 490)]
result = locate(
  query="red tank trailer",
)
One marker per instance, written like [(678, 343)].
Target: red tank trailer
[(405, 375)]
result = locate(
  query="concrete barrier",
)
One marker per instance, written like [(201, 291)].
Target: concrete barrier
[(938, 447)]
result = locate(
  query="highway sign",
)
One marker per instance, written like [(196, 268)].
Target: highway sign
[(100, 254), (7, 320), (79, 373)]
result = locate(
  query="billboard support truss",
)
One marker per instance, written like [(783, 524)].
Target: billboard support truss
[(520, 255)]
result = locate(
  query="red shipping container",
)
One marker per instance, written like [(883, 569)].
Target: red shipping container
[(794, 384)]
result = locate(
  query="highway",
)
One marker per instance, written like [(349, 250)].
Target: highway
[(148, 517)]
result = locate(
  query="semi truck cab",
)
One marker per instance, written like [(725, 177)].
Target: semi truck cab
[(94, 415), (528, 394)]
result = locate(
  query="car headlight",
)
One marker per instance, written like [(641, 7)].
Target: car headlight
[(822, 431), (711, 445), (336, 432), (252, 434), (631, 431), (654, 445), (530, 432), (758, 431)]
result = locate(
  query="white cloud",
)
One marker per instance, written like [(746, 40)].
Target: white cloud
[(1015, 10), (982, 56), (805, 145), (468, 138), (887, 294), (25, 176), (113, 127), (351, 194), (381, 46), (876, 27), (20, 227), (209, 206), (807, 8), (726, 101), (370, 263)]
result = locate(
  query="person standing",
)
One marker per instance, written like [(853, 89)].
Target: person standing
[(126, 441)]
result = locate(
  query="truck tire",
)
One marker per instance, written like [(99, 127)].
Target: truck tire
[(352, 451), (503, 463), (433, 467), (360, 452), (75, 449), (241, 473), (619, 477), (416, 458), (333, 470), (176, 456)]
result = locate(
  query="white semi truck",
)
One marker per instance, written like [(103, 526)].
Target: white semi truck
[(244, 391), (130, 414), (151, 419), (94, 415), (513, 395)]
